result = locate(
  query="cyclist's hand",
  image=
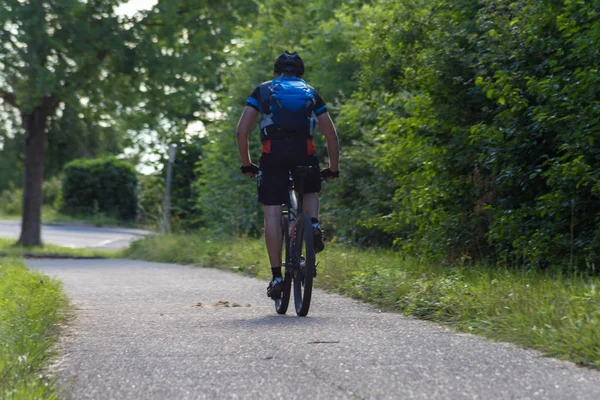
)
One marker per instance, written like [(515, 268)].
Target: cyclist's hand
[(327, 174), (249, 170)]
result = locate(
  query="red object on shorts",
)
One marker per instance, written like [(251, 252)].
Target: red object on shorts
[(310, 147), (266, 147)]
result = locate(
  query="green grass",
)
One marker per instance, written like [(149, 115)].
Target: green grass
[(8, 249), (243, 255), (31, 308), (51, 216), (554, 313)]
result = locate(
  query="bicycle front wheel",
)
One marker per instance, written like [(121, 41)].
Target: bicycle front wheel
[(304, 270), (281, 305)]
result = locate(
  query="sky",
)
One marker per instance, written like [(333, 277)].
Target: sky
[(133, 6)]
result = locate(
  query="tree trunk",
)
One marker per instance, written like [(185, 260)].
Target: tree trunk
[(34, 124)]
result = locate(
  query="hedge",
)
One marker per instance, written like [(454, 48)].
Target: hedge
[(102, 185)]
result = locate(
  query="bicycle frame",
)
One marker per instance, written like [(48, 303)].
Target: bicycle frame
[(295, 201), (299, 253)]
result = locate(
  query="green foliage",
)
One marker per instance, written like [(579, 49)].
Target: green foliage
[(540, 144), (178, 65), (482, 116), (414, 105), (51, 191), (352, 207), (11, 152), (227, 200), (468, 129), (76, 70), (80, 132), (104, 185), (184, 188), (151, 197), (11, 202), (31, 307)]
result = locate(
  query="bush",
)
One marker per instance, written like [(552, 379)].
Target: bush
[(103, 185), (11, 202), (151, 195), (51, 190)]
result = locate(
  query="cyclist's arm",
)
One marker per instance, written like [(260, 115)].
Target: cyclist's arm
[(326, 125), (244, 127)]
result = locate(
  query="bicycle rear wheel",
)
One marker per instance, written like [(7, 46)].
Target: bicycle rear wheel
[(304, 254), (281, 305)]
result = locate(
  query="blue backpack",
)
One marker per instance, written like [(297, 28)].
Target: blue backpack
[(287, 107)]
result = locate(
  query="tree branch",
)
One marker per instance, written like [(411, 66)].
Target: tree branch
[(50, 103), (9, 97)]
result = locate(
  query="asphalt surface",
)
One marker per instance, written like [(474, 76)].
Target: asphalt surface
[(160, 331), (78, 236)]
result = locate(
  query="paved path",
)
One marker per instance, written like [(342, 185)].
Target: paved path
[(78, 236), (158, 331)]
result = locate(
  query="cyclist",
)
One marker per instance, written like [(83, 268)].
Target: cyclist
[(289, 110)]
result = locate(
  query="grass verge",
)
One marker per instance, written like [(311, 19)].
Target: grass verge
[(52, 216), (31, 307), (8, 249), (554, 313)]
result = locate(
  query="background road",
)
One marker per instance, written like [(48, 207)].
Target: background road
[(159, 331), (77, 236)]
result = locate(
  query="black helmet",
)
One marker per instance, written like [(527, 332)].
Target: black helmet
[(289, 62)]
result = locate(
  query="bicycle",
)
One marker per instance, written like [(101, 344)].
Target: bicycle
[(297, 242)]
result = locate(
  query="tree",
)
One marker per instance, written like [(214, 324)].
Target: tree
[(162, 63), (52, 49)]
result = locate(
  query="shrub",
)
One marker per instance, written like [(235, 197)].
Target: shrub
[(11, 201), (51, 190), (151, 195), (103, 185)]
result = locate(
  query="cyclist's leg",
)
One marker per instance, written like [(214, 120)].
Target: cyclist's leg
[(311, 204), (312, 185), (272, 183), (273, 235)]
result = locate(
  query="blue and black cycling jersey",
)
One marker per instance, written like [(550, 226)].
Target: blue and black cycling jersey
[(289, 108)]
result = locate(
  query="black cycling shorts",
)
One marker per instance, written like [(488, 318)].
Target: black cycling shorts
[(273, 177)]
